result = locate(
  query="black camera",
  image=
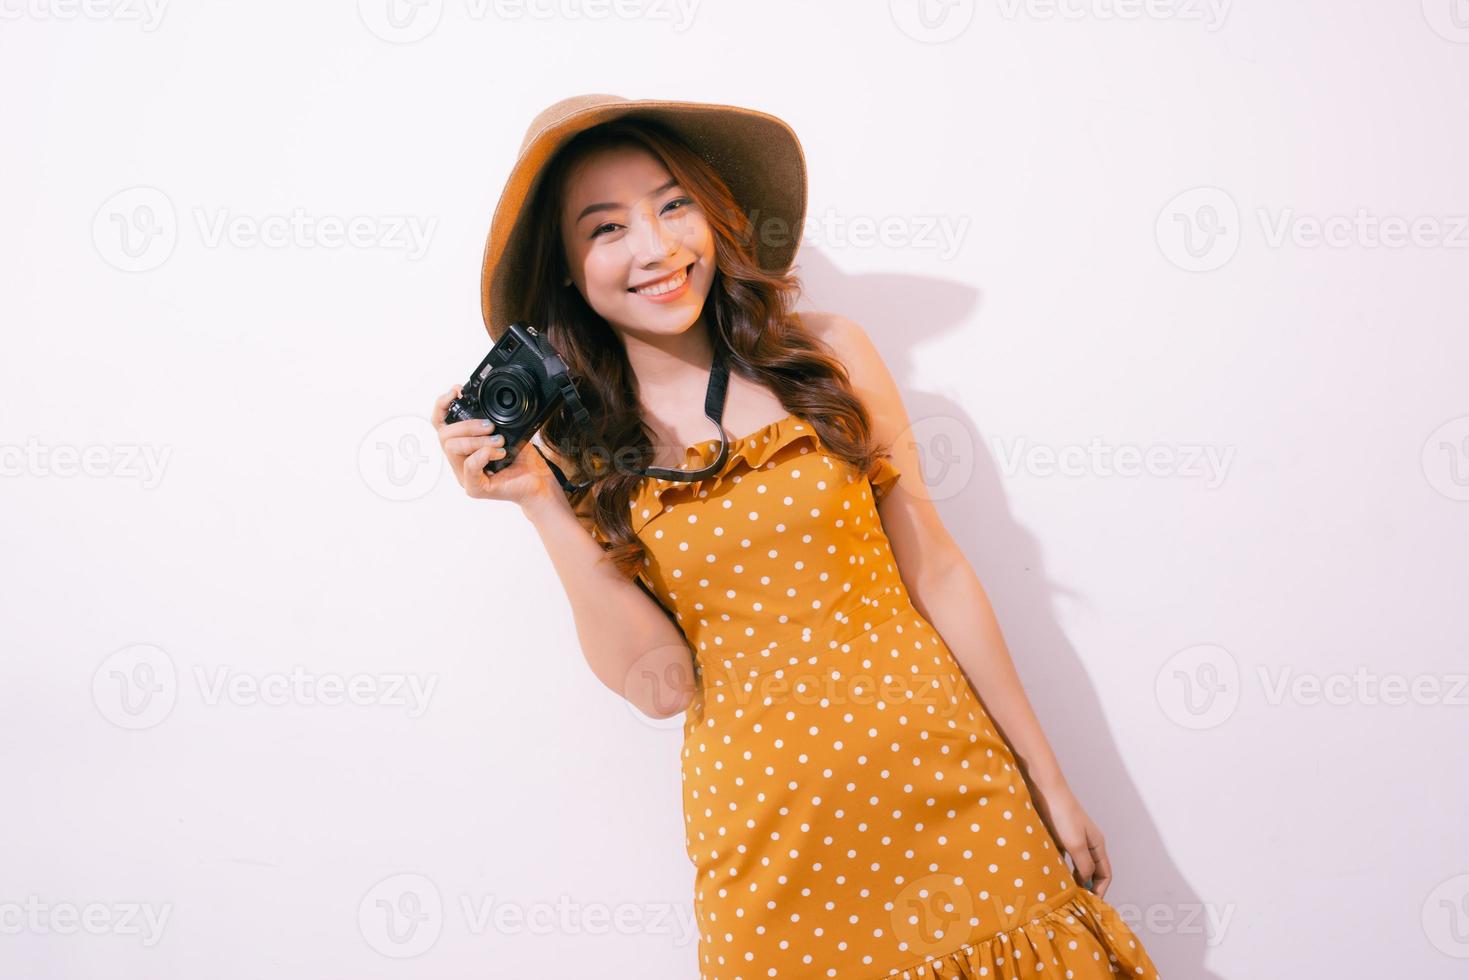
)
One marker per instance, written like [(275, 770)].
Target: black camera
[(518, 386)]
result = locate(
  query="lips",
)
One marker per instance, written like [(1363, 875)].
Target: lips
[(687, 271)]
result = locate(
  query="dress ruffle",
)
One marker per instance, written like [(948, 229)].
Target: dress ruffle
[(1083, 938), (748, 452), (882, 476)]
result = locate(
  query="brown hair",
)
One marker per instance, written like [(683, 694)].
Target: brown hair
[(750, 313)]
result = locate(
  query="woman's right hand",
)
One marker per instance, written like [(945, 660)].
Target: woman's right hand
[(471, 444)]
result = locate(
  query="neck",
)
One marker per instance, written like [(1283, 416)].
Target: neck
[(668, 366)]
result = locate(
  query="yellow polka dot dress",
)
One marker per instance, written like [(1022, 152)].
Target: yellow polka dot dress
[(850, 809)]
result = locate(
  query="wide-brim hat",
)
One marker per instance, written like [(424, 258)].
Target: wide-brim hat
[(756, 154)]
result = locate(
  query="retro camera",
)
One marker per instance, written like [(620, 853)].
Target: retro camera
[(518, 386)]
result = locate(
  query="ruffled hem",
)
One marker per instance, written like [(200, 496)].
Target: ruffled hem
[(748, 452), (1083, 938)]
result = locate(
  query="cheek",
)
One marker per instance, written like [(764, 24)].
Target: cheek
[(606, 273)]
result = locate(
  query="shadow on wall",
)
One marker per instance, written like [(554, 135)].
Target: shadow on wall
[(1149, 888)]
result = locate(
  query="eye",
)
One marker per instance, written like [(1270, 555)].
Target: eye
[(682, 201)]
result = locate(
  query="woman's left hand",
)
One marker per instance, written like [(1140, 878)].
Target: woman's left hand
[(1077, 834)]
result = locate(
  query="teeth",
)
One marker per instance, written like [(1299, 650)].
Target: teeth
[(663, 287)]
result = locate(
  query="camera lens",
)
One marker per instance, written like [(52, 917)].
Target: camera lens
[(509, 397)]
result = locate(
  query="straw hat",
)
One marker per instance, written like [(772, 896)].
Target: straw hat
[(756, 154)]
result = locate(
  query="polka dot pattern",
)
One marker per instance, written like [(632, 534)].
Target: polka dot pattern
[(849, 807)]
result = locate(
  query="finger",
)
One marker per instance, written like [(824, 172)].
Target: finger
[(475, 462), (1102, 877), (441, 405), (466, 427), (465, 445), (1085, 867)]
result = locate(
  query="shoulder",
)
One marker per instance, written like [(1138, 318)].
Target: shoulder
[(842, 334), (868, 373)]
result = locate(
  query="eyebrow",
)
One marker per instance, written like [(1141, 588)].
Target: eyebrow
[(610, 207)]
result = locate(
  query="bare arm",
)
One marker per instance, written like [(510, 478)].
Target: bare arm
[(627, 638)]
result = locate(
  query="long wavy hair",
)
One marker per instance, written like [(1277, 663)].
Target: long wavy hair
[(750, 313)]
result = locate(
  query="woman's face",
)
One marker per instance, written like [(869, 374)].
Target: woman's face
[(626, 226)]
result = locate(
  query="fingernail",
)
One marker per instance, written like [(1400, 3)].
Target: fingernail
[(484, 423)]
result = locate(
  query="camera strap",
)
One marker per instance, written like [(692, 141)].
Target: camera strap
[(714, 399)]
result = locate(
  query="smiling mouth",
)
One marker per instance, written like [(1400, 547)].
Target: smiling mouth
[(669, 284)]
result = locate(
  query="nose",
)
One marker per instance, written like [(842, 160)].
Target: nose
[(652, 239)]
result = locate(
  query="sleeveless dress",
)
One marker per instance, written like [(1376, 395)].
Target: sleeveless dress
[(850, 809)]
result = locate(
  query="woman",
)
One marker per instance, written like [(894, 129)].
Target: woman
[(850, 804)]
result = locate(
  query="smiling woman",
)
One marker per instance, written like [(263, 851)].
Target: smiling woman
[(850, 806)]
